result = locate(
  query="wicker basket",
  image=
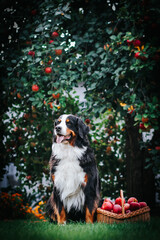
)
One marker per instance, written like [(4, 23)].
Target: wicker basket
[(142, 214)]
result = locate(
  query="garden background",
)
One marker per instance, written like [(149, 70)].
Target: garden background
[(108, 48)]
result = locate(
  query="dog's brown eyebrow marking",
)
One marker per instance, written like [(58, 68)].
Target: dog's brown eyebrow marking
[(67, 120), (59, 120)]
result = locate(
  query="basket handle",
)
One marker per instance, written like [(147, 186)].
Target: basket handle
[(121, 195)]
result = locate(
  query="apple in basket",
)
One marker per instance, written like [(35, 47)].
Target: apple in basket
[(132, 199), (126, 207), (117, 208), (107, 206), (142, 204), (134, 206), (108, 200), (119, 201)]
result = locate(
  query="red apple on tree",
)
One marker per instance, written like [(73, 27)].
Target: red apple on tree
[(137, 56), (55, 34), (48, 70), (87, 120), (58, 52), (144, 120), (29, 177), (157, 148), (56, 96), (129, 42), (137, 42), (51, 41), (35, 88), (141, 126), (31, 53)]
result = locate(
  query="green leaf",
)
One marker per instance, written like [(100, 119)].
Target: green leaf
[(113, 37), (39, 28)]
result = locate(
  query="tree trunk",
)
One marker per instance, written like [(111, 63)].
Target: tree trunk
[(140, 181)]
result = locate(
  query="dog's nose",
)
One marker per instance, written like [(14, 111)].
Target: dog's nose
[(58, 129)]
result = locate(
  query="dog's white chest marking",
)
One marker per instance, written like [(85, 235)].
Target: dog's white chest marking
[(69, 175)]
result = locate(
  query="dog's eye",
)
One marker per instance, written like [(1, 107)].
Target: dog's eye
[(67, 120), (59, 120)]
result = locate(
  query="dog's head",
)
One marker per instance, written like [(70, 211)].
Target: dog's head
[(68, 128)]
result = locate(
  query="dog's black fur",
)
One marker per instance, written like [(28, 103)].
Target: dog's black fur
[(91, 187)]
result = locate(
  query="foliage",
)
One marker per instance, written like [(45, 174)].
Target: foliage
[(99, 42), (12, 206)]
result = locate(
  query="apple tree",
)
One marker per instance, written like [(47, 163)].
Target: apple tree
[(51, 48)]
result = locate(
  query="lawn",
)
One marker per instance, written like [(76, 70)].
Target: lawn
[(37, 230)]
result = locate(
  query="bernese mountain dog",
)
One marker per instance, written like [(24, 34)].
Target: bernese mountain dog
[(76, 184)]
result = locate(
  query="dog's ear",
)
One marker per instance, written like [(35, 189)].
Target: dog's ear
[(83, 129)]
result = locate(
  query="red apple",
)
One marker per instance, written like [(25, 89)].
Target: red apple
[(48, 70), (58, 52), (19, 95), (134, 206), (56, 96), (55, 34), (141, 126), (35, 88), (34, 12), (26, 115), (108, 200), (142, 204), (29, 177), (144, 120), (51, 41), (31, 53), (117, 208), (157, 148), (137, 42), (87, 120), (107, 206), (128, 211), (137, 56), (129, 42), (132, 199), (119, 201), (126, 206)]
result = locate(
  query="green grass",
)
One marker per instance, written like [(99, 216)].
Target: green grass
[(32, 230)]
